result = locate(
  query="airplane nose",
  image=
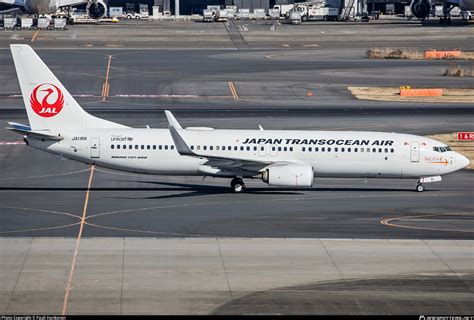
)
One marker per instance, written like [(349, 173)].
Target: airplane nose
[(462, 161)]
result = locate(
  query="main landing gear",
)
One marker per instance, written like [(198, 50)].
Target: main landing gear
[(420, 187), (237, 185)]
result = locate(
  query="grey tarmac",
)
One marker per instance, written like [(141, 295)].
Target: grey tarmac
[(174, 245)]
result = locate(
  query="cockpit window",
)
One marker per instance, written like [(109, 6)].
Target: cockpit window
[(441, 149)]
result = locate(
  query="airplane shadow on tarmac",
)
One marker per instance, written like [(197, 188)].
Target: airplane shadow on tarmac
[(201, 189)]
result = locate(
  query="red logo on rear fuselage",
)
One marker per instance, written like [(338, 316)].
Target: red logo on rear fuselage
[(46, 100)]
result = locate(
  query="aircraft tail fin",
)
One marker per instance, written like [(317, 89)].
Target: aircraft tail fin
[(48, 103)]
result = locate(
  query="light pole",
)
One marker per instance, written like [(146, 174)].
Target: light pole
[(176, 8)]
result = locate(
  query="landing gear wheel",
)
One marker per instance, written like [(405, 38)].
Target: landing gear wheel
[(237, 185), (420, 187)]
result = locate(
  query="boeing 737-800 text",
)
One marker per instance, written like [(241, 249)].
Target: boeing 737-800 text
[(281, 158)]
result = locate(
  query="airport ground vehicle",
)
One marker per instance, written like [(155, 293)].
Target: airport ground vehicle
[(375, 15), (281, 158), (283, 9), (137, 15), (294, 17), (208, 15), (316, 12)]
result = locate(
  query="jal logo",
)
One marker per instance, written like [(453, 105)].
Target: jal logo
[(46, 100)]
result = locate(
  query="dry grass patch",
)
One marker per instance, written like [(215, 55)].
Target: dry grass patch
[(464, 147), (457, 71), (393, 94), (392, 53)]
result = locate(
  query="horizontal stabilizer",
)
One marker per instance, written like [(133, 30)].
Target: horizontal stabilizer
[(38, 134)]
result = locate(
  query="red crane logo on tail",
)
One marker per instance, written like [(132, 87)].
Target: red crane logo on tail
[(46, 100)]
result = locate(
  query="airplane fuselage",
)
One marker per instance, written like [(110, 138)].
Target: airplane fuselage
[(330, 153)]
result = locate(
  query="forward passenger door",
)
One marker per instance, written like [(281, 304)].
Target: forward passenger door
[(415, 152)]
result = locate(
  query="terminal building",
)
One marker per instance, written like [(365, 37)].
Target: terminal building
[(187, 7)]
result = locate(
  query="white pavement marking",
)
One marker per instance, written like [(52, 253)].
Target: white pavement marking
[(11, 143), (78, 242)]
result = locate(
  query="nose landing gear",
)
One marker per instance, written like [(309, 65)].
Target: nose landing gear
[(237, 185)]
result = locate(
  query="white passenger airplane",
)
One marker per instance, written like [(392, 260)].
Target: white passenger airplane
[(279, 157), (95, 9)]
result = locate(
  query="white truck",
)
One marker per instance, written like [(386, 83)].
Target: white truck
[(311, 12), (208, 15), (283, 9), (295, 17)]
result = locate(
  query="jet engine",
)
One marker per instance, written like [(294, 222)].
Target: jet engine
[(420, 8), (96, 9), (289, 175)]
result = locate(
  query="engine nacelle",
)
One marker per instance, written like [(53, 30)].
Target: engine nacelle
[(420, 8), (96, 9), (290, 175)]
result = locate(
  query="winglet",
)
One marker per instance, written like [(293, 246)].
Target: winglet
[(172, 120), (181, 146)]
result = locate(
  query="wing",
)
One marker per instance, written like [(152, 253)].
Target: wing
[(219, 162), (63, 3), (19, 3), (218, 165)]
